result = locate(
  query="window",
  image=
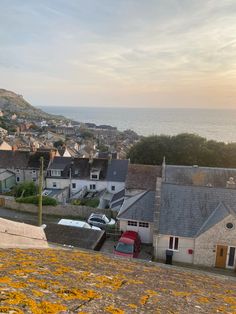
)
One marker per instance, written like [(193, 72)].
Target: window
[(229, 225), (17, 179), (33, 171), (34, 179), (92, 187), (113, 188), (56, 173), (174, 243), (18, 170), (54, 184), (73, 185), (94, 176), (132, 223), (144, 224), (98, 220)]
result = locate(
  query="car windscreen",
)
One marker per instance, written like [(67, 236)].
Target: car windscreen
[(124, 248)]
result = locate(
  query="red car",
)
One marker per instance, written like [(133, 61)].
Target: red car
[(129, 244)]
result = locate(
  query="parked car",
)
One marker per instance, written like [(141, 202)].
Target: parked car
[(101, 221), (129, 244), (77, 223)]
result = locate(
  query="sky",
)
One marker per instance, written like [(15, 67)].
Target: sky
[(120, 53)]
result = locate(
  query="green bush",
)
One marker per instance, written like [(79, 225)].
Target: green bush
[(87, 202), (35, 200), (25, 189)]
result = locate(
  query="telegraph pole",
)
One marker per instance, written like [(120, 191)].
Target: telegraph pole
[(40, 209)]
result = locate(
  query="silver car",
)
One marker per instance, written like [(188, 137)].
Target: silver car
[(101, 221)]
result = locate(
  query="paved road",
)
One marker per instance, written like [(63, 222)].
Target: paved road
[(24, 217)]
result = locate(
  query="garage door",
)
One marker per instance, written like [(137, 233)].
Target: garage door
[(143, 228)]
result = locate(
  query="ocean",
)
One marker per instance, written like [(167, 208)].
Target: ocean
[(213, 124)]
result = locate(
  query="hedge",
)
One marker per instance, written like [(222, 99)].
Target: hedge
[(35, 200)]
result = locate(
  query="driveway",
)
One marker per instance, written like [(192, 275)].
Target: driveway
[(25, 217), (145, 254)]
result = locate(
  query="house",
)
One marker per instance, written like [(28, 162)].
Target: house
[(24, 164), (196, 218), (59, 172), (92, 174), (137, 214), (5, 146), (20, 235), (137, 210), (7, 180)]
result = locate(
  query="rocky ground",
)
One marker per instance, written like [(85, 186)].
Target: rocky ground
[(63, 281)]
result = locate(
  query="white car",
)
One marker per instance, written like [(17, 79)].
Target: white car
[(101, 220), (77, 223)]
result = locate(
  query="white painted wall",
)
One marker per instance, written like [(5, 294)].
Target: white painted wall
[(161, 244), (100, 185), (61, 183)]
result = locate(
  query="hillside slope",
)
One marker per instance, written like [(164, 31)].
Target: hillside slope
[(11, 103)]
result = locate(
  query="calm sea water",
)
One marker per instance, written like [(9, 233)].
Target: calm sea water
[(213, 124)]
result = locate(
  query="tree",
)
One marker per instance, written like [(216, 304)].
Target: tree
[(183, 149)]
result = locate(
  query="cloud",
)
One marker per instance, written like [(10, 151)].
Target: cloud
[(96, 50)]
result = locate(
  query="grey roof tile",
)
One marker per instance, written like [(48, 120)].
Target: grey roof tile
[(200, 176), (139, 207), (184, 209), (117, 170)]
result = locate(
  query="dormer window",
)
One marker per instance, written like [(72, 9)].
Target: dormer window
[(55, 173), (95, 174)]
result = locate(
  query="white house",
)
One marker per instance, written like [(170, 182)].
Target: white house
[(137, 214)]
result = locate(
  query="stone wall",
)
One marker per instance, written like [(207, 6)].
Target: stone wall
[(59, 210), (205, 244)]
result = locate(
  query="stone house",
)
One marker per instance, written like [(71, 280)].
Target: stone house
[(196, 218)]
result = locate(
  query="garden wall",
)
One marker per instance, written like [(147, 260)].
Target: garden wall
[(59, 210)]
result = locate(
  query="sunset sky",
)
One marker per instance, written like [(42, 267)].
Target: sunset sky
[(140, 53)]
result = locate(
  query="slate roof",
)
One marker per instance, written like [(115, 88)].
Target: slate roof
[(184, 209), (202, 176), (217, 215), (60, 163), (117, 170), (118, 196), (34, 160), (83, 167), (142, 177), (5, 175), (13, 159), (77, 237), (139, 207)]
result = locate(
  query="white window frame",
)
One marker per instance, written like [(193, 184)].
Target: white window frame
[(113, 187), (17, 179), (92, 187), (175, 239), (73, 185), (132, 223), (54, 184), (142, 224), (55, 173)]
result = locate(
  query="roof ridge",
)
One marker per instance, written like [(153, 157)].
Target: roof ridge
[(210, 216)]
